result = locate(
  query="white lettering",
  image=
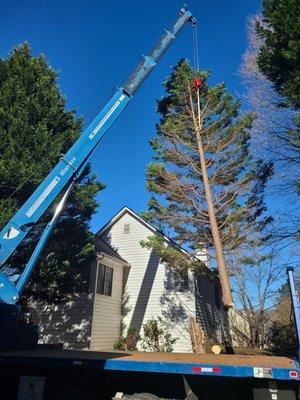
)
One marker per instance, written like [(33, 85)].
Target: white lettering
[(67, 167)]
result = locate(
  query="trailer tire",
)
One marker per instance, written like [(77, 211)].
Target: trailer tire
[(75, 393)]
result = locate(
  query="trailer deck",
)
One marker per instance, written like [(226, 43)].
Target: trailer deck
[(238, 366)]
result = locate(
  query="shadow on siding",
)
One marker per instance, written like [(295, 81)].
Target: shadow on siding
[(212, 319), (173, 310), (144, 293), (67, 323)]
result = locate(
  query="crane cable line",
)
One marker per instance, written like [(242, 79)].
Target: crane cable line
[(196, 48)]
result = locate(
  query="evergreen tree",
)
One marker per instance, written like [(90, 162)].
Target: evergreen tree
[(275, 133), (35, 130), (282, 334), (279, 57), (236, 179), (156, 337), (279, 61)]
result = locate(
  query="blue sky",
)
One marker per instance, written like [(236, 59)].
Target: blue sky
[(95, 45)]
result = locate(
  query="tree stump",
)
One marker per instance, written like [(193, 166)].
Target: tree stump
[(197, 336)]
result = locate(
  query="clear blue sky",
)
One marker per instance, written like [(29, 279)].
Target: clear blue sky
[(96, 44)]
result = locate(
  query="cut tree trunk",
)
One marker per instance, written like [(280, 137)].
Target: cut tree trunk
[(197, 336), (224, 280)]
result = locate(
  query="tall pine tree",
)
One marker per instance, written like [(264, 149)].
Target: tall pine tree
[(175, 178), (35, 130)]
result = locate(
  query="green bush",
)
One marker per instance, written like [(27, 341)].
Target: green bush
[(128, 342), (156, 338)]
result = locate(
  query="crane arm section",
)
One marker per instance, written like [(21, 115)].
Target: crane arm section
[(73, 162)]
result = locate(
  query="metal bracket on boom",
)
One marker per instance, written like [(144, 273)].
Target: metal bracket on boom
[(193, 21), (192, 18)]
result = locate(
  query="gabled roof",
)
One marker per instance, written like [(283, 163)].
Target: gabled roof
[(128, 210), (101, 245)]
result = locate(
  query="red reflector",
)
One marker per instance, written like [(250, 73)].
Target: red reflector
[(196, 369), (206, 369), (293, 374)]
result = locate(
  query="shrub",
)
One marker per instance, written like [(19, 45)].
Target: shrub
[(128, 342), (156, 338)]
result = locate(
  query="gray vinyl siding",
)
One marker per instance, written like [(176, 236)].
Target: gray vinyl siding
[(87, 320), (67, 323), (212, 318), (148, 291), (107, 310)]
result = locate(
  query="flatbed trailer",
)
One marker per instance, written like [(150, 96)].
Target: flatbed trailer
[(76, 375), (42, 374)]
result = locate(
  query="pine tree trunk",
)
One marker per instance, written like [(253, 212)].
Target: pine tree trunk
[(224, 280)]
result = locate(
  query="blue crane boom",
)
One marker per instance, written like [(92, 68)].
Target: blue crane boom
[(73, 162)]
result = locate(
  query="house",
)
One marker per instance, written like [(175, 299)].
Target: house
[(90, 319), (128, 286), (154, 290)]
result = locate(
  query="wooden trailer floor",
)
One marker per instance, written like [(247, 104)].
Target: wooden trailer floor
[(185, 358)]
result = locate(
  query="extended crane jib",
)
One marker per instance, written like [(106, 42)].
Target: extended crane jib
[(72, 164)]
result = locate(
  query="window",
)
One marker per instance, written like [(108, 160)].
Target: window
[(126, 228), (104, 280), (181, 281)]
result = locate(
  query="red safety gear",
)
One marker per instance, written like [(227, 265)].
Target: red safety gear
[(198, 83)]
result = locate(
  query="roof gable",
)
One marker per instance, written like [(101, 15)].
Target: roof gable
[(119, 215), (127, 210)]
